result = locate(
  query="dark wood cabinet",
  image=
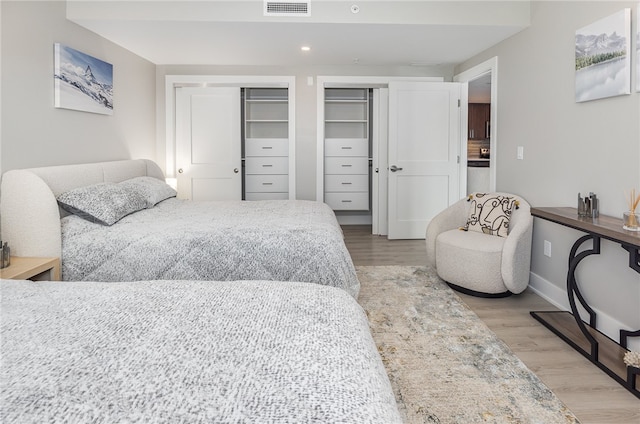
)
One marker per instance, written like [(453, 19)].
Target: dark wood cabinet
[(479, 118)]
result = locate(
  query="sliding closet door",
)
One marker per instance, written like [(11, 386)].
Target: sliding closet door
[(208, 143)]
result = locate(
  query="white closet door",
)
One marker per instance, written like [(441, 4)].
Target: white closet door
[(208, 143), (380, 177), (424, 143)]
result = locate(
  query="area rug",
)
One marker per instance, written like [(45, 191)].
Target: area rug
[(445, 365)]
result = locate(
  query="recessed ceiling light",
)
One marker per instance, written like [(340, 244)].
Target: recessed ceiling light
[(305, 48)]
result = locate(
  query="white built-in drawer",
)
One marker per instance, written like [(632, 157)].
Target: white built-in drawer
[(266, 147), (346, 147), (346, 165), (347, 201), (266, 196), (267, 165), (266, 183), (346, 183)]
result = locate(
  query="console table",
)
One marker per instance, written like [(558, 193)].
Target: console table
[(584, 337)]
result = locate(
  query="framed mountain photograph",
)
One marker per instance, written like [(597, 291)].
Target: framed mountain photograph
[(82, 82), (603, 58)]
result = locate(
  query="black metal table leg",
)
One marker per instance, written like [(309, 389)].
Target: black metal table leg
[(573, 290)]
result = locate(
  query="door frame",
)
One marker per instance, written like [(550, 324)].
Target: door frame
[(374, 82), (488, 66), (242, 81)]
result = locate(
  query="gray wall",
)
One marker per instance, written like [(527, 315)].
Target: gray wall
[(306, 116), (569, 147), (33, 132)]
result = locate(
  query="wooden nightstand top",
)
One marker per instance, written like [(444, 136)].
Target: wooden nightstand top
[(24, 268)]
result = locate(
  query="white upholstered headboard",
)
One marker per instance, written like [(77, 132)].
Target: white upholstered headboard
[(29, 213)]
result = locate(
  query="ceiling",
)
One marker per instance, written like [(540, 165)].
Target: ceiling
[(381, 33)]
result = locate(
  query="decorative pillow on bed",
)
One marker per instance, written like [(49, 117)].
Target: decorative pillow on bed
[(490, 213), (152, 189), (103, 203)]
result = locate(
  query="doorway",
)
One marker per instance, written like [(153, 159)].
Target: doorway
[(171, 153), (377, 216), (382, 206), (482, 143)]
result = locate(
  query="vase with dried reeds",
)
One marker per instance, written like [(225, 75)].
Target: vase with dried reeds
[(631, 217)]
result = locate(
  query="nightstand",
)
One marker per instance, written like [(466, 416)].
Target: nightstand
[(24, 268)]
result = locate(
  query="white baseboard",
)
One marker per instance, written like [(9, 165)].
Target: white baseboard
[(558, 297)]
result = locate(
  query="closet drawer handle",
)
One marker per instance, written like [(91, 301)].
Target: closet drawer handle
[(346, 201), (267, 183), (267, 147), (346, 147), (347, 183), (347, 166), (267, 166)]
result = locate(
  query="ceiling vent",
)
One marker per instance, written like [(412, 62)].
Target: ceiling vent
[(287, 8)]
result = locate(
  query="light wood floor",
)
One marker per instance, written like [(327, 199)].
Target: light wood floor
[(593, 396)]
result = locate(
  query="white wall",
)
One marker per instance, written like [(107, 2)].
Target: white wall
[(33, 132), (305, 104), (569, 148)]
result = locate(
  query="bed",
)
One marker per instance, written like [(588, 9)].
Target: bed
[(190, 352), (171, 239)]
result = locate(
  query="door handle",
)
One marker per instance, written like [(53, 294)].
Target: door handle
[(235, 170), (180, 171), (394, 168)]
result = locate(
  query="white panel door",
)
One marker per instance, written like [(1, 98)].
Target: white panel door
[(208, 144), (380, 137), (424, 144)]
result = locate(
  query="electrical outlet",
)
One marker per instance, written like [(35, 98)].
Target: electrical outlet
[(547, 248)]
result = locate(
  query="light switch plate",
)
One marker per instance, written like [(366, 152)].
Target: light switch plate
[(520, 154)]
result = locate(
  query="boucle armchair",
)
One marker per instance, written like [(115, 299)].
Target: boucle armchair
[(489, 260)]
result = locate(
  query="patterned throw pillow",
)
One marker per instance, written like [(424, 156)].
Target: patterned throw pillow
[(152, 189), (490, 213), (103, 203)]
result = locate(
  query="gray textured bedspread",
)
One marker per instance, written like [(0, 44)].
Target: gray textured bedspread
[(188, 352), (293, 240)]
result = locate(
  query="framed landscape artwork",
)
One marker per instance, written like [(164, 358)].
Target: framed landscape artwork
[(82, 82), (638, 49), (603, 58)]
